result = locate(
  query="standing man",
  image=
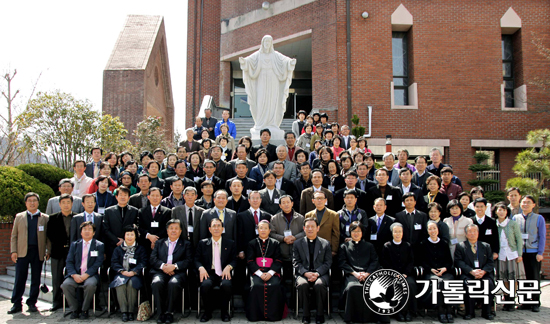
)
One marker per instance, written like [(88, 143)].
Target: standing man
[(65, 187), (140, 200), (237, 201), (92, 168), (514, 197), (209, 123), (80, 180), (351, 213), (298, 125), (181, 169), (227, 216), (241, 156), (351, 182), (197, 129), (415, 223), (393, 175), (175, 198), (248, 183), (29, 246), (290, 167), (209, 168), (59, 229), (265, 137), (329, 223), (405, 177), (436, 166), (191, 145), (230, 124), (152, 220), (89, 202), (281, 182), (306, 201), (346, 137), (450, 189), (392, 195), (363, 182), (380, 226), (402, 157), (533, 229), (488, 231), (270, 195), (189, 216), (421, 175), (223, 169), (116, 218), (291, 147)]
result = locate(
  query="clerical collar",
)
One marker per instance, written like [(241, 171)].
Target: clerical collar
[(432, 241), (356, 242), (397, 243), (312, 241)]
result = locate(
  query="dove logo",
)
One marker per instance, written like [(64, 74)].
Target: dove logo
[(386, 292)]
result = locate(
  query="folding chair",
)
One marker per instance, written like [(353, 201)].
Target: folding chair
[(109, 292)]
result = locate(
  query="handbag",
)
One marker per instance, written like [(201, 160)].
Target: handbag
[(144, 311), (44, 288)]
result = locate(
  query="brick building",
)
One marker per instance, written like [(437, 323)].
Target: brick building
[(136, 80), (450, 74)]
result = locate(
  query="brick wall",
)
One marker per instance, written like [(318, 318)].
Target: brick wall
[(5, 250), (546, 256)]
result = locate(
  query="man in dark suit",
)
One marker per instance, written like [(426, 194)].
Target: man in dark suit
[(405, 185), (181, 168), (391, 194), (169, 262), (83, 261), (241, 156), (209, 123), (306, 201), (351, 182), (189, 215), (415, 223), (223, 169), (237, 202), (363, 182), (59, 226), (265, 136), (379, 225), (475, 259), (152, 221), (92, 168), (283, 183), (270, 195), (88, 201), (209, 168), (247, 223), (140, 200), (248, 183), (116, 218), (488, 230), (190, 144), (215, 258), (227, 216), (312, 260), (420, 176)]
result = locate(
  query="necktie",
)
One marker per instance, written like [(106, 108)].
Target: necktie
[(222, 218), (217, 260), (474, 249), (89, 218), (154, 212), (190, 217), (171, 251), (96, 170), (256, 217), (84, 264), (378, 224)]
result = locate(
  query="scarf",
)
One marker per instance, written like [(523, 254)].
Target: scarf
[(130, 250)]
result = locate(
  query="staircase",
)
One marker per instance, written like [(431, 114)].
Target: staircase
[(244, 125), (7, 286)]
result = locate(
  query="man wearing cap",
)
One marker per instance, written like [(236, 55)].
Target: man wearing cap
[(65, 187)]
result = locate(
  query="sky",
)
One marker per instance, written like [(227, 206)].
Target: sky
[(68, 44)]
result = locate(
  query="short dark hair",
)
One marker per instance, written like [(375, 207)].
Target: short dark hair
[(174, 221), (530, 198), (436, 205), (87, 196), (480, 200), (453, 203), (96, 148), (269, 173), (143, 154), (215, 219), (263, 130), (311, 219), (130, 228), (382, 169), (317, 170), (260, 152), (464, 194), (286, 196), (180, 162), (278, 163), (206, 183), (477, 189), (64, 181), (434, 178), (351, 192), (289, 133), (403, 170), (421, 157), (151, 162), (154, 189), (65, 196), (407, 195), (353, 226), (501, 205), (88, 223), (144, 175), (512, 189), (158, 149), (352, 173), (403, 150), (446, 170), (100, 179), (123, 189), (79, 161)]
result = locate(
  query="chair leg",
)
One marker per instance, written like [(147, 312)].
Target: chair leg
[(108, 301), (297, 303), (199, 302), (183, 300), (93, 303), (328, 302), (152, 305), (63, 297)]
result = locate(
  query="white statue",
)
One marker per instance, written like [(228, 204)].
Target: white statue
[(267, 75)]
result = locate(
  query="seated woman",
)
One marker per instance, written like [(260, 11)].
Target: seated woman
[(224, 128), (437, 263), (128, 261), (398, 255), (457, 222), (434, 212), (266, 301), (358, 259), (433, 183)]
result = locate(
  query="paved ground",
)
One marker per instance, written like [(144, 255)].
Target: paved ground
[(519, 316)]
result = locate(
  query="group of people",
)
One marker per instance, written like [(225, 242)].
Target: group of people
[(262, 220)]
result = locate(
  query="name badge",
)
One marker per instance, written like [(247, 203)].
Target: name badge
[(101, 210), (347, 228), (525, 236), (256, 231), (132, 260), (170, 258), (248, 192), (476, 264), (196, 179), (373, 237), (308, 145), (93, 253), (488, 232), (190, 229), (454, 241), (331, 188), (76, 192), (288, 233), (417, 227), (41, 228), (154, 224), (389, 197), (276, 200)]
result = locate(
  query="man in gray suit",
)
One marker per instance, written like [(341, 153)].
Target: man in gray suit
[(65, 187), (227, 216), (312, 259), (393, 174), (88, 203), (290, 167), (189, 216), (270, 194)]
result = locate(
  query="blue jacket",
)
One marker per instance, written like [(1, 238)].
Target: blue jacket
[(74, 258), (232, 128)]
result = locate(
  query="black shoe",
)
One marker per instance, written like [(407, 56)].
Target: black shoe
[(450, 318), (536, 308), (169, 318), (490, 317), (205, 317), (305, 320), (125, 317), (512, 308), (400, 317), (408, 317), (55, 307), (467, 317), (524, 307), (15, 309), (443, 318), (130, 317), (161, 319), (186, 313), (33, 309), (319, 319), (74, 315), (84, 315), (226, 317)]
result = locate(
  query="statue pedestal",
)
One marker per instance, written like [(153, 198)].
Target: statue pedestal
[(277, 135)]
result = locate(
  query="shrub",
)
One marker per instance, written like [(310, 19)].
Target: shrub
[(15, 184), (46, 173)]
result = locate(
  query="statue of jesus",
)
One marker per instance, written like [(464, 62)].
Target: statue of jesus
[(267, 75)]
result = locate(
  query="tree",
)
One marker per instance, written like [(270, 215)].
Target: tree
[(112, 135), (533, 166), (150, 134)]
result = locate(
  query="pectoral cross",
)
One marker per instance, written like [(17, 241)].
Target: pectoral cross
[(263, 262)]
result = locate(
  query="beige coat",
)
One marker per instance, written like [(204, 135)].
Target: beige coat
[(456, 230), (329, 229), (19, 236)]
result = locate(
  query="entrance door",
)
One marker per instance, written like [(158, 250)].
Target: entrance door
[(241, 109)]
